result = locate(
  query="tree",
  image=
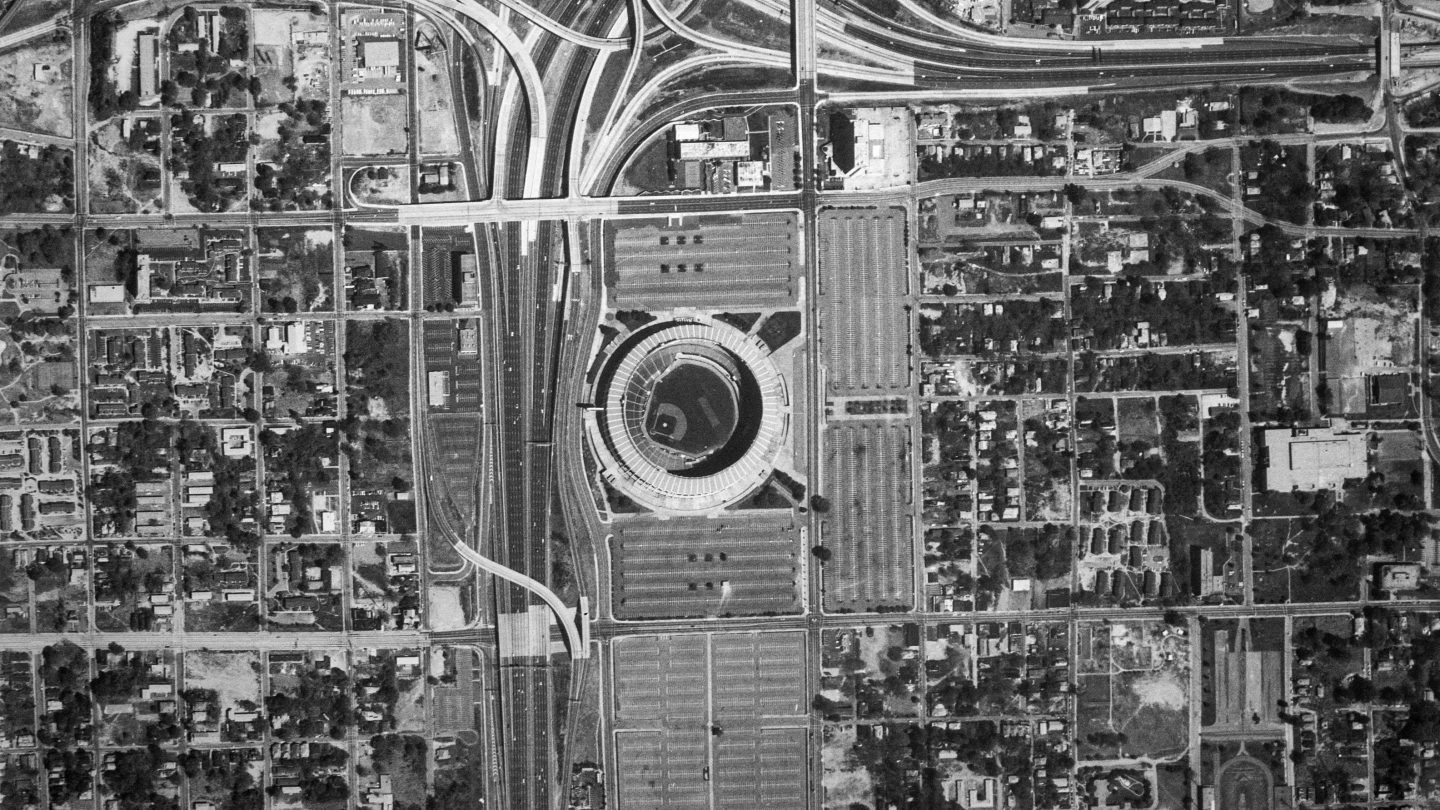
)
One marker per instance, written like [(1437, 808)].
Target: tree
[(821, 553)]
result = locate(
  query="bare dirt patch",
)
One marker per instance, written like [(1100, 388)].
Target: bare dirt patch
[(1163, 690), (234, 676), (36, 88), (446, 612)]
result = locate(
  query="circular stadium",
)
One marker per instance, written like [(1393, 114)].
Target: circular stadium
[(689, 415)]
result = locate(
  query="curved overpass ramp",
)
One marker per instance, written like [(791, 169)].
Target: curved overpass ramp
[(563, 614)]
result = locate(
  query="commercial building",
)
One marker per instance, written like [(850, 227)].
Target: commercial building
[(438, 389), (380, 54), (1311, 459), (714, 150), (149, 44)]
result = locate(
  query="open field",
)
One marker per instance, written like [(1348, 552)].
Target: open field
[(435, 96), (1133, 690), (374, 125)]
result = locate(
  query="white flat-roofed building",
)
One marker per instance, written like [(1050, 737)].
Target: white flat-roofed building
[(383, 54), (149, 47), (750, 173), (236, 442), (714, 150), (107, 294), (1311, 459), (439, 389)]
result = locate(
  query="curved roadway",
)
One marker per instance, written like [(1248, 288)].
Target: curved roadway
[(563, 615)]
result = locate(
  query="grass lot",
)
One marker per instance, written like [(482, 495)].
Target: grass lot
[(222, 617), (436, 101), (647, 170), (1276, 543), (383, 185), (374, 125), (739, 22)]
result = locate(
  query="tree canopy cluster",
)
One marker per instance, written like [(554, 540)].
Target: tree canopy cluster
[(33, 180)]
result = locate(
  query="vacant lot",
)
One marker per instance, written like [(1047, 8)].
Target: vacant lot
[(234, 676), (35, 87), (435, 99), (374, 125)]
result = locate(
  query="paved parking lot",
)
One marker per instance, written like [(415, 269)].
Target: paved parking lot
[(439, 263), (739, 565), (760, 769), (758, 678), (662, 769), (455, 703), (673, 691), (727, 261), (864, 329), (661, 682), (868, 530), (443, 354)]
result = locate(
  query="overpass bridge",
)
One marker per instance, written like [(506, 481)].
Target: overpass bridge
[(577, 632)]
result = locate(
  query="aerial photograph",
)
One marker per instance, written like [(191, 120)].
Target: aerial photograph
[(719, 404)]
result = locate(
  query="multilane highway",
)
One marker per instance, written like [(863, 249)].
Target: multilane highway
[(527, 310)]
